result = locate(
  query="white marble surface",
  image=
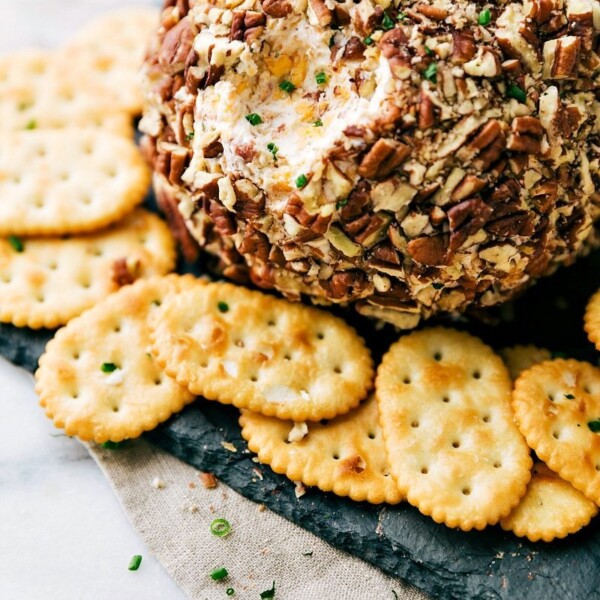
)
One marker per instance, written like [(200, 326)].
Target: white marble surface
[(63, 535)]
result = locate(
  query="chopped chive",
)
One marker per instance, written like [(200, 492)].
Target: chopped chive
[(437, 286), (218, 574), (301, 181), (31, 125), (594, 426), (287, 86), (220, 527), (135, 562), (387, 23), (318, 123), (273, 149), (268, 594), (189, 136), (223, 306), (430, 73), (401, 16), (428, 50), (254, 119), (341, 203), (230, 591), (332, 41), (368, 40), (16, 243), (108, 367), (111, 445), (514, 91), (485, 16), (321, 78)]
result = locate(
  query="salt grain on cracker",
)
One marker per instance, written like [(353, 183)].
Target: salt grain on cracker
[(109, 51), (345, 456), (453, 447), (592, 319), (72, 377), (557, 408), (72, 181), (255, 351), (46, 282), (550, 509)]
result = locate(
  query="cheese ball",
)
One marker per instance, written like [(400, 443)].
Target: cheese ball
[(407, 158)]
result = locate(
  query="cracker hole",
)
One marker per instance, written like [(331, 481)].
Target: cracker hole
[(337, 370), (456, 444), (414, 424), (437, 356), (41, 151), (586, 389), (97, 251), (40, 298), (287, 356), (204, 364), (336, 457), (371, 435), (64, 176), (466, 491), (158, 381), (324, 421), (486, 419), (424, 470), (117, 329), (445, 399), (597, 467), (320, 336), (497, 465), (555, 435), (551, 397), (16, 179), (52, 266), (476, 375), (75, 396), (406, 380), (115, 409), (271, 323), (76, 356), (239, 343), (253, 378)]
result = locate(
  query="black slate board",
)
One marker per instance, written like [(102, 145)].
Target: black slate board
[(399, 540)]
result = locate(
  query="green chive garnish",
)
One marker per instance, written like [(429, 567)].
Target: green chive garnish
[(254, 119), (111, 445), (189, 136), (368, 40), (332, 41), (16, 243), (31, 125), (430, 73), (301, 181), (287, 86), (437, 286), (223, 307), (135, 562), (428, 50), (318, 123), (230, 591), (108, 367), (273, 149), (514, 91), (387, 23), (594, 426), (485, 16), (401, 16), (569, 397), (321, 78), (268, 594), (218, 574), (220, 527), (341, 203)]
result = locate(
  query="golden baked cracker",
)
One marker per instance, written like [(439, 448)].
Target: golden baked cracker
[(345, 456), (557, 408), (520, 358), (453, 447), (71, 181), (592, 319), (46, 282), (98, 380), (551, 508), (109, 51), (37, 93), (254, 351)]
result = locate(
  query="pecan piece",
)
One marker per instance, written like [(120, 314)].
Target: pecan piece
[(345, 285), (354, 49), (469, 186), (466, 219), (256, 244), (176, 46), (432, 251), (434, 13), (464, 47), (276, 8), (322, 13), (526, 135), (384, 156), (123, 273), (561, 58), (520, 223), (394, 46)]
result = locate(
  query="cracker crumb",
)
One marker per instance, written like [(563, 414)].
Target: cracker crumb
[(191, 485), (229, 446), (115, 378), (257, 473), (208, 480), (193, 508), (299, 490), (158, 483), (298, 432), (262, 508)]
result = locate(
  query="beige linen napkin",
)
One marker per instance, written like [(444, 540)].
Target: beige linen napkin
[(170, 508)]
